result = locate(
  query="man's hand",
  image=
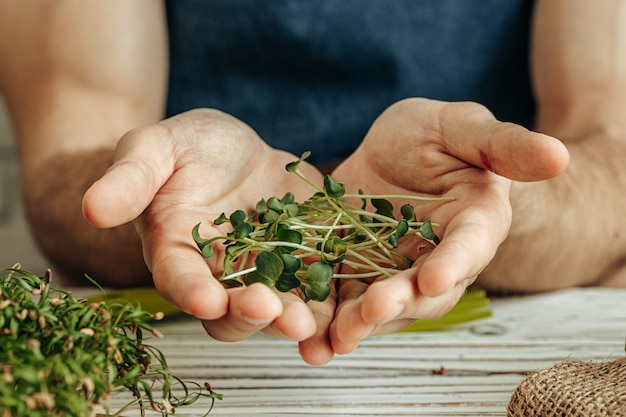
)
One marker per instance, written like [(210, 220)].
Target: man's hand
[(439, 149), (189, 169)]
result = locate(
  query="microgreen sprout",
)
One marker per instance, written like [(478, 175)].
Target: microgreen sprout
[(302, 245), (63, 356)]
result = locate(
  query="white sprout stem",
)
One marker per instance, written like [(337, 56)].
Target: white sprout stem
[(366, 262), (238, 274), (399, 196), (333, 226), (368, 232), (299, 224), (372, 274), (358, 225), (275, 243)]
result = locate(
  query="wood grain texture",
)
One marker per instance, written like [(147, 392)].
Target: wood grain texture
[(470, 370)]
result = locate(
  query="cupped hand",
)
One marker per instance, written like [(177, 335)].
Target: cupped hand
[(437, 149), (188, 169)]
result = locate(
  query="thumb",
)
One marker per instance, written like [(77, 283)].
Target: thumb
[(507, 149), (143, 163)]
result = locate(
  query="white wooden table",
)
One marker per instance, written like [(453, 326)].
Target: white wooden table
[(470, 370)]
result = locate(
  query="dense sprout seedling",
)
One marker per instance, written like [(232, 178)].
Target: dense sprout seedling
[(62, 356), (283, 236)]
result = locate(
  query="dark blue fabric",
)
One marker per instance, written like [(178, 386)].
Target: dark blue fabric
[(314, 74)]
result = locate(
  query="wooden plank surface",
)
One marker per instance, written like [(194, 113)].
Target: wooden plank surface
[(470, 370)]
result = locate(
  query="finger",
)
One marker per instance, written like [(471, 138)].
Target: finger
[(127, 188), (296, 322), (507, 149), (349, 328), (466, 248), (187, 282), (399, 298), (251, 309), (317, 350)]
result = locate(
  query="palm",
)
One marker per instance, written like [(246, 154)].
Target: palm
[(436, 149), (188, 170)]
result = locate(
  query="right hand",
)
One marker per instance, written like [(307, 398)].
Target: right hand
[(438, 149), (190, 168)]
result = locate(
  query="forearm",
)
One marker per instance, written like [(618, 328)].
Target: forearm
[(76, 81), (579, 68), (74, 247), (567, 231)]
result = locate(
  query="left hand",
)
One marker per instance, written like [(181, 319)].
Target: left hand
[(188, 169), (432, 148)]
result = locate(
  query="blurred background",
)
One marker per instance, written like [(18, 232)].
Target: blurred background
[(16, 242)]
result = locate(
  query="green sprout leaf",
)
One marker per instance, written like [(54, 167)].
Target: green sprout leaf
[(291, 210), (288, 198), (288, 279), (65, 356), (289, 236), (317, 281), (242, 230), (271, 216), (289, 241), (269, 267), (237, 218), (408, 212), (221, 219), (287, 282), (275, 204), (401, 229), (295, 166), (426, 230), (333, 250), (333, 188), (383, 207), (205, 245)]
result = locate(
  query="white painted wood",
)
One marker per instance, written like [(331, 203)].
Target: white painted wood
[(397, 375)]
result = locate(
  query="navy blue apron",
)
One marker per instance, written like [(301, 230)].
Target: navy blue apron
[(314, 74)]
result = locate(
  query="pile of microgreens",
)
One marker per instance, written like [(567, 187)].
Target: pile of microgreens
[(282, 236), (63, 356)]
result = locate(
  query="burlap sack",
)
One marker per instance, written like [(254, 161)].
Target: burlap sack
[(573, 389)]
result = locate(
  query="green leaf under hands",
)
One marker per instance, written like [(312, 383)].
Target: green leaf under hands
[(78, 353)]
